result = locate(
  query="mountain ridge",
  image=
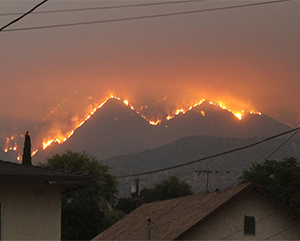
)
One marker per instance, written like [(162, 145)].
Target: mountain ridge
[(225, 168), (116, 129)]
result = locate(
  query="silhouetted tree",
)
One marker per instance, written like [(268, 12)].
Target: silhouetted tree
[(280, 178), (88, 211), (26, 157), (166, 189), (126, 204)]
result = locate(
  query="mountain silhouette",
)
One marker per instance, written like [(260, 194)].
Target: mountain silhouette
[(225, 168), (207, 119), (115, 129)]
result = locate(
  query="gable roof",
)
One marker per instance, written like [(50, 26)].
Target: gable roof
[(18, 173), (172, 218)]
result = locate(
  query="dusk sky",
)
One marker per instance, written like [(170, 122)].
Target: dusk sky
[(247, 58)]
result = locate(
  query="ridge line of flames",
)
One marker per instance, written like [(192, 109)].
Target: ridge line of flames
[(238, 115)]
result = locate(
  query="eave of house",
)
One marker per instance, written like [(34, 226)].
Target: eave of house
[(16, 173)]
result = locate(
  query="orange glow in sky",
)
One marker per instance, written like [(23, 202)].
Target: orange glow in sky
[(62, 138), (54, 79)]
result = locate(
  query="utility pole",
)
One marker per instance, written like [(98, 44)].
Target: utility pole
[(207, 178), (207, 175), (148, 228), (137, 192)]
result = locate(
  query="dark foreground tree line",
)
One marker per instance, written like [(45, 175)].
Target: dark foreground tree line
[(89, 211), (281, 178)]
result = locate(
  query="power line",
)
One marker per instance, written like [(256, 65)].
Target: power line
[(19, 18), (147, 17), (209, 157), (105, 8), (208, 171), (268, 238), (281, 146)]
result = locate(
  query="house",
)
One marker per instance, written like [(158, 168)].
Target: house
[(30, 200), (242, 212)]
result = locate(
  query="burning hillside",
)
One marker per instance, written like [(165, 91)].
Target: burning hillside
[(45, 134)]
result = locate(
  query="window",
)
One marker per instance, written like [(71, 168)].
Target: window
[(249, 225)]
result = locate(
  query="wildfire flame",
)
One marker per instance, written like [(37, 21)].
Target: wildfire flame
[(12, 147), (238, 115), (154, 123), (60, 138)]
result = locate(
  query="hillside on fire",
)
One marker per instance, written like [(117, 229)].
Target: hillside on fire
[(117, 129)]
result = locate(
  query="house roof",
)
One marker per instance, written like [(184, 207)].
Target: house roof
[(18, 173), (171, 219)]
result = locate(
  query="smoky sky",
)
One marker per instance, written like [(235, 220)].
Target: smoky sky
[(246, 58)]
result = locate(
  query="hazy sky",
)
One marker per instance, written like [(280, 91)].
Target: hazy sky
[(245, 57)]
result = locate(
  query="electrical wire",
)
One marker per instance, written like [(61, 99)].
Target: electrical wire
[(19, 18), (147, 17), (209, 157), (105, 8), (281, 145), (272, 236)]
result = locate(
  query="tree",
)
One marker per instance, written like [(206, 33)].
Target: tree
[(88, 211), (166, 189), (280, 178), (126, 204), (26, 157)]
